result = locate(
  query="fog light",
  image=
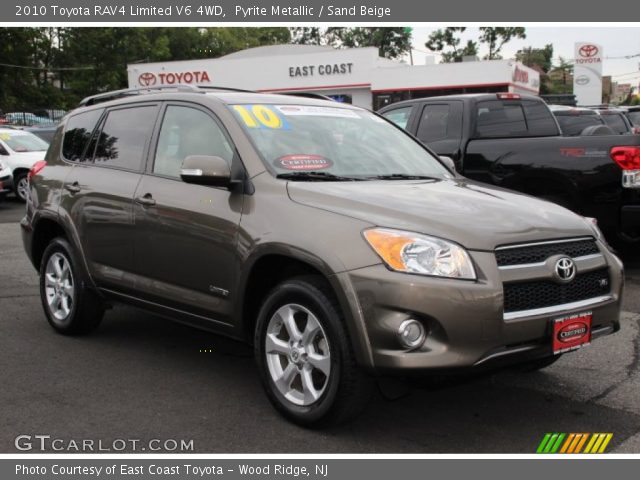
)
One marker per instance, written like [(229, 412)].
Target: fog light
[(411, 334)]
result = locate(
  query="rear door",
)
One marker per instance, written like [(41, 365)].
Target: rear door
[(186, 234), (98, 193), (439, 126)]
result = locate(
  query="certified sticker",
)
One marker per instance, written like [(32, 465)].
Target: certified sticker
[(303, 161)]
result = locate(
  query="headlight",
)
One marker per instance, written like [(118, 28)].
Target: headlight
[(415, 253)]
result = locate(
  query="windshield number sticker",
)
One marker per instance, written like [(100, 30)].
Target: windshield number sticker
[(260, 116), (302, 161), (5, 136)]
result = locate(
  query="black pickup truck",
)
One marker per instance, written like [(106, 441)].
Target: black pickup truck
[(514, 141)]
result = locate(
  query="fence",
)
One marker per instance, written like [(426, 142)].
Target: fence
[(32, 117)]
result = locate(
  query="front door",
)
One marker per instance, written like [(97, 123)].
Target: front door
[(186, 234)]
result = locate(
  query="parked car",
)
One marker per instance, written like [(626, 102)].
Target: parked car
[(45, 132), (20, 150), (513, 141), (575, 121), (26, 118), (336, 243)]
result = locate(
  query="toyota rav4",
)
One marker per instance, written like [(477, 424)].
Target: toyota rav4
[(327, 237)]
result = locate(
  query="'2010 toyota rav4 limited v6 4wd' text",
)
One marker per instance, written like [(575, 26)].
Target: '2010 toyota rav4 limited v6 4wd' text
[(323, 234)]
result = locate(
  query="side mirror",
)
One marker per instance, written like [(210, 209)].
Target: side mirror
[(449, 163), (206, 170)]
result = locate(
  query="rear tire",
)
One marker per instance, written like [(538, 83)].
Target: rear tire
[(21, 186), (70, 306), (304, 354)]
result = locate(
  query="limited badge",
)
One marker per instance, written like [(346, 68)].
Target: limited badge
[(302, 161)]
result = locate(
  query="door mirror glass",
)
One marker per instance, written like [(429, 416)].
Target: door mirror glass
[(206, 170), (448, 162)]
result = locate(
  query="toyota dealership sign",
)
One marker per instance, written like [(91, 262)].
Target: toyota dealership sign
[(587, 73)]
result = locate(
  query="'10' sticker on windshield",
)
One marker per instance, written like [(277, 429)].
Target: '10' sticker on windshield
[(261, 116)]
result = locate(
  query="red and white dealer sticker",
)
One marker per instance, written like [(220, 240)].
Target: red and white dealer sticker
[(571, 332), (303, 161)]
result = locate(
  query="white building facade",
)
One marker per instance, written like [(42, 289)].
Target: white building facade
[(358, 76)]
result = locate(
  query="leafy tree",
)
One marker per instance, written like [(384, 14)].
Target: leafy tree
[(447, 43), (496, 37), (392, 42), (537, 57)]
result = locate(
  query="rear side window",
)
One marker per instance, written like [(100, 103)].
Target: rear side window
[(616, 122), (77, 133), (434, 123), (123, 137), (540, 122), (634, 117), (573, 125), (399, 116), (508, 118)]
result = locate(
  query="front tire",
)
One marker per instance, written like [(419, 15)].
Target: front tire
[(304, 354), (70, 307), (21, 186)]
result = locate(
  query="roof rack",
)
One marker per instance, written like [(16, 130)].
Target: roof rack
[(105, 97), (317, 96)]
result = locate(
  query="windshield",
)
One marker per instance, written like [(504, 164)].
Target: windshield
[(333, 140), (574, 124), (24, 142)]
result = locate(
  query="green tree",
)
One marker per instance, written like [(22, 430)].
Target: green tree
[(496, 37), (447, 43), (537, 57), (392, 42)]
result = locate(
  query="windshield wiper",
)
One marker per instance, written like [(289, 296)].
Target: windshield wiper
[(402, 176), (320, 176)]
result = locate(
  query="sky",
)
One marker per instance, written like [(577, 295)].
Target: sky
[(615, 41)]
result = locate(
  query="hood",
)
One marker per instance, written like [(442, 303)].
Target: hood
[(475, 215)]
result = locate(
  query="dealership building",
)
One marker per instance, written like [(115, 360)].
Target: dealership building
[(358, 75)]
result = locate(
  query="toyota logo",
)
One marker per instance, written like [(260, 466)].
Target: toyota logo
[(147, 79), (565, 269), (582, 80), (588, 51)]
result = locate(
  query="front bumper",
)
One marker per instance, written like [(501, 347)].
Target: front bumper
[(465, 320), (6, 184)]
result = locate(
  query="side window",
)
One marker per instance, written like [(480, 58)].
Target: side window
[(616, 123), (123, 137), (399, 116), (77, 133), (434, 123), (540, 122), (188, 131), (500, 119)]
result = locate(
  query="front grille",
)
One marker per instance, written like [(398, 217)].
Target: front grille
[(547, 293), (539, 253)]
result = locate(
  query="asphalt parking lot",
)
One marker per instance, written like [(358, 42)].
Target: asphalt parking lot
[(143, 377)]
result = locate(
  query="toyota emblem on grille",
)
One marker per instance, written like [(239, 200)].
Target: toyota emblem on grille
[(565, 269)]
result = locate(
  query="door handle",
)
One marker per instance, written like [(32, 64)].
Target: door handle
[(73, 187), (146, 200)]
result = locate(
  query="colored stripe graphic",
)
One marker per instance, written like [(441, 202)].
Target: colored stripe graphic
[(574, 443)]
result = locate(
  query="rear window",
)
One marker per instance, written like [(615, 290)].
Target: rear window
[(77, 133), (573, 125), (616, 122), (508, 118)]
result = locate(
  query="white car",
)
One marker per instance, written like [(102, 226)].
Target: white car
[(19, 150)]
